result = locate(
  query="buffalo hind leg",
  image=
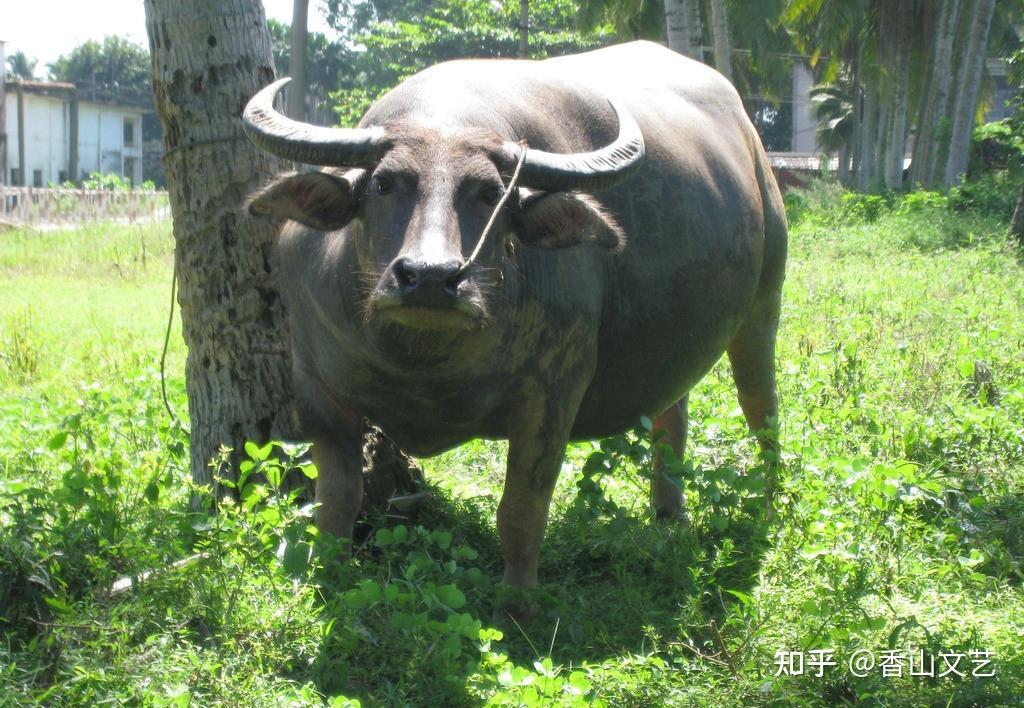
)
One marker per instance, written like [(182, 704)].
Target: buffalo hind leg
[(669, 429), (752, 355)]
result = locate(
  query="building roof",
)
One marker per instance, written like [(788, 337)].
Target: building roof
[(65, 90), (43, 88)]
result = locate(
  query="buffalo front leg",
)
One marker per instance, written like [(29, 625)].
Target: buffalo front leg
[(523, 512), (339, 485), (337, 435), (669, 429), (536, 449)]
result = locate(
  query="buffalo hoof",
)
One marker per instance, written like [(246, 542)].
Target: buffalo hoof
[(515, 609), (672, 515)]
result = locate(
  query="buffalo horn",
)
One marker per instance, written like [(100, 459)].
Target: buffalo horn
[(342, 147), (600, 169), (305, 143)]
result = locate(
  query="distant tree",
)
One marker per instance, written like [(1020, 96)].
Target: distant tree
[(833, 109), (20, 66), (753, 47), (329, 65), (630, 19), (400, 37), (115, 69)]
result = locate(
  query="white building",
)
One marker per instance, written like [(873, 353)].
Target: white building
[(52, 135)]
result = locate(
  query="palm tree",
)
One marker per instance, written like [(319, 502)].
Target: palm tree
[(21, 67), (833, 109)]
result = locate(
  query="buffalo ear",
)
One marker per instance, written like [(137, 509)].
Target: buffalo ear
[(563, 219), (322, 200)]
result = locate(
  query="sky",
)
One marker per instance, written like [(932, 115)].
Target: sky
[(46, 29)]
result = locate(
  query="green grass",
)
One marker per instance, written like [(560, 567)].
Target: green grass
[(901, 368)]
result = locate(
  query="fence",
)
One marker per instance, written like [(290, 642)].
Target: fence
[(49, 205)]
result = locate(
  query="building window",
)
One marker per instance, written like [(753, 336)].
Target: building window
[(37, 178), (62, 176), (129, 132), (16, 177)]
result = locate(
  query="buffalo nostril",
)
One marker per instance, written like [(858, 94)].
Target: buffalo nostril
[(405, 274)]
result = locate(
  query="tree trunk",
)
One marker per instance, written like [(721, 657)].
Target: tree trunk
[(944, 109), (209, 57), (881, 140), (720, 37), (844, 163), (858, 116), (695, 28), (868, 137), (896, 143), (1017, 223), (933, 108), (524, 28), (885, 39), (677, 28), (297, 60), (967, 97)]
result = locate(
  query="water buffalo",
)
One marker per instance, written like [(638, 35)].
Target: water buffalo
[(580, 314)]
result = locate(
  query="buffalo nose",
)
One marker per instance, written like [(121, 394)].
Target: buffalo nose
[(414, 275)]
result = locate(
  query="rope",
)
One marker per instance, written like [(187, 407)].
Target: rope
[(167, 339), (494, 214)]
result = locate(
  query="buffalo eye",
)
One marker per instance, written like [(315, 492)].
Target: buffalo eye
[(492, 195), (382, 185)]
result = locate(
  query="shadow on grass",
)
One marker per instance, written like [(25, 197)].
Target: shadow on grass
[(612, 585), (617, 586)]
